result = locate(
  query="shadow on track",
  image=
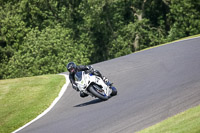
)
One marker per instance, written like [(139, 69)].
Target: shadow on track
[(95, 101)]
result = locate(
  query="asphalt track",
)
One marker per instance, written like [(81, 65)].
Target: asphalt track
[(152, 85)]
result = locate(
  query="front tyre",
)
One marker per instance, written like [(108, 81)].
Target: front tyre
[(96, 92), (114, 91)]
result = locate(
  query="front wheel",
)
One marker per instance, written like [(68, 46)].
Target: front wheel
[(114, 91), (98, 92)]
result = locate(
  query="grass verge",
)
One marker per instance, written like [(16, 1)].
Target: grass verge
[(185, 122), (23, 99)]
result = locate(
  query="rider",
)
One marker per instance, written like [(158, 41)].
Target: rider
[(72, 68)]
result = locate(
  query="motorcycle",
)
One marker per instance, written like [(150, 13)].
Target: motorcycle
[(94, 85)]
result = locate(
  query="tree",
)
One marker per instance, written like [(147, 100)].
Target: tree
[(184, 18), (40, 32), (12, 31), (142, 31), (45, 52)]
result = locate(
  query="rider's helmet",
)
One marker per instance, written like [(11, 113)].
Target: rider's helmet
[(71, 67)]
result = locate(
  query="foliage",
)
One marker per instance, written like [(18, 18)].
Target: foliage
[(45, 52), (40, 37), (184, 18)]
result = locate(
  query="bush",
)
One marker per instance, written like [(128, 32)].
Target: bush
[(45, 52)]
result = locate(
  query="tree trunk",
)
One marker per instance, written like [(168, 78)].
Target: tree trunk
[(136, 43), (139, 13)]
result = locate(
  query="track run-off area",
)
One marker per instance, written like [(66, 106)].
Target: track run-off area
[(152, 85)]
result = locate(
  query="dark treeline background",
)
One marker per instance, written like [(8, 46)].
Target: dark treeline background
[(41, 36)]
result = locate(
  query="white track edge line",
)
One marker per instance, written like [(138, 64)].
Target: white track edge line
[(64, 88)]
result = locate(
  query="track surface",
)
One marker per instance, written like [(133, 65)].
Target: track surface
[(152, 86)]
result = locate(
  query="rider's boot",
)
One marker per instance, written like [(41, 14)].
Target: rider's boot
[(106, 81), (82, 94)]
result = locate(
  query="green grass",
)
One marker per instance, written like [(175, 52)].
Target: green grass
[(185, 122), (23, 99)]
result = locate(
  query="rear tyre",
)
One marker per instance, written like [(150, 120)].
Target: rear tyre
[(94, 91)]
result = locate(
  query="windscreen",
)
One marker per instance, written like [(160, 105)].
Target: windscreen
[(78, 76)]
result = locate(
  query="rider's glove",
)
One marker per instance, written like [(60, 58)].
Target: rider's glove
[(75, 87), (90, 69)]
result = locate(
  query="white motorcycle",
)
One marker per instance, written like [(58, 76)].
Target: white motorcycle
[(94, 86)]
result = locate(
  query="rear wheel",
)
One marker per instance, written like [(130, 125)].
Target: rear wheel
[(98, 92)]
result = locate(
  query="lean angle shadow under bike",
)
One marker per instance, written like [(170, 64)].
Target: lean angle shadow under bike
[(94, 86)]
